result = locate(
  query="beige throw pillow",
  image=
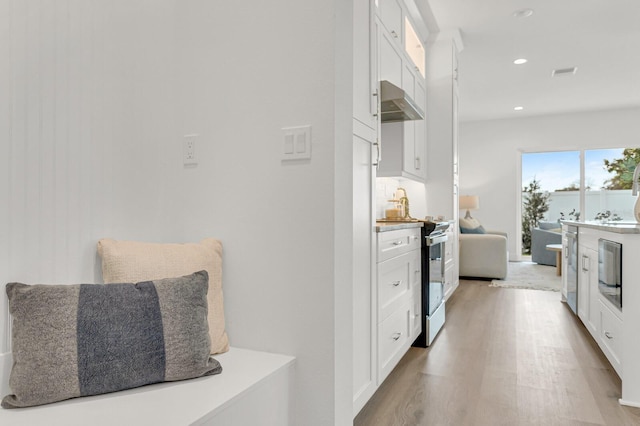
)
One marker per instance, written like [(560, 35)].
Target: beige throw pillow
[(133, 261), (470, 223)]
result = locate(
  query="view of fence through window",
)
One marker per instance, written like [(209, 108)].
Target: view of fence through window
[(552, 187)]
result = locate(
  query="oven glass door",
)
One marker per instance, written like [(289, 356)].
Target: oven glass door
[(610, 271), (436, 276)]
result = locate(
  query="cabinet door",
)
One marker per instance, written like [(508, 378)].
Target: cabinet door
[(583, 285), (390, 13), (393, 338), (415, 268), (414, 48), (610, 338), (364, 309), (390, 60), (420, 136), (365, 74), (409, 80), (592, 314)]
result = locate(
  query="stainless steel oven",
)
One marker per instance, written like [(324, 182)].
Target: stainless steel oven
[(432, 292), (610, 271)]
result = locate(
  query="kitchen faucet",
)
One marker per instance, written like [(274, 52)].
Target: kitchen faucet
[(404, 201)]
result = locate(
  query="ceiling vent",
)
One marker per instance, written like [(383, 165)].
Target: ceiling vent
[(564, 71)]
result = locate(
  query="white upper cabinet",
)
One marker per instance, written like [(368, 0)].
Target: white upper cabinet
[(442, 125), (390, 12), (402, 62), (365, 73), (414, 48), (391, 68)]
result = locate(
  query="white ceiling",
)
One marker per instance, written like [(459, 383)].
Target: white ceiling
[(600, 37)]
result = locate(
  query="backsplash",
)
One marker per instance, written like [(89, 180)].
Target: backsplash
[(386, 187)]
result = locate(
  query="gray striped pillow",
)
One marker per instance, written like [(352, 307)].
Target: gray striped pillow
[(88, 339)]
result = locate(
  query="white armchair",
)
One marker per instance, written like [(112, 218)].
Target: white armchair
[(484, 255)]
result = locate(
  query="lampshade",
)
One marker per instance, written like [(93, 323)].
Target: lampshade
[(469, 202)]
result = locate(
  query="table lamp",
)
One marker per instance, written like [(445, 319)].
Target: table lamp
[(469, 202)]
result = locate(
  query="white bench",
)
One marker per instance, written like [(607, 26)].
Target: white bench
[(254, 388)]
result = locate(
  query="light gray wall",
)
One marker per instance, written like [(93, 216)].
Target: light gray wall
[(97, 96), (490, 155)]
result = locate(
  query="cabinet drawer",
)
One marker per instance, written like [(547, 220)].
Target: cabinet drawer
[(610, 336), (393, 340), (395, 243), (395, 277)]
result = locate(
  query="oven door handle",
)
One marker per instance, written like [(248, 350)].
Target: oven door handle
[(438, 239)]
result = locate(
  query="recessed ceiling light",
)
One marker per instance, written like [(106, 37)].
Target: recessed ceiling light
[(518, 108), (523, 13), (520, 61)]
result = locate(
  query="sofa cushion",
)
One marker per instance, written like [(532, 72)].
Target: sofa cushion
[(134, 261), (87, 339)]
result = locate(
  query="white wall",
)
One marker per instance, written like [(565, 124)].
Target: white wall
[(96, 98), (490, 155)]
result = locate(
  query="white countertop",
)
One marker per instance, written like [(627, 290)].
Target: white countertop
[(382, 226), (620, 227)]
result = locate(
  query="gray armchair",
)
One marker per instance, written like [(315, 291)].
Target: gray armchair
[(546, 233)]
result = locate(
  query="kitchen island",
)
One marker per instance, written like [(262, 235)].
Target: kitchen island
[(605, 261)]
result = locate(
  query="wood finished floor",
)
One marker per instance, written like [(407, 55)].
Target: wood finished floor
[(504, 357)]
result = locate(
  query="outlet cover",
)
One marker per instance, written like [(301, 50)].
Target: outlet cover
[(189, 150)]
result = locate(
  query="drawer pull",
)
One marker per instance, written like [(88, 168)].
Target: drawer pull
[(396, 283), (397, 243), (585, 263), (394, 34), (396, 336), (608, 335)]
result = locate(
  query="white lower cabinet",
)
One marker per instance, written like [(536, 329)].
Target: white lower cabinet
[(398, 285), (587, 269), (588, 308), (603, 320), (394, 284), (613, 326), (393, 340), (451, 279), (610, 336)]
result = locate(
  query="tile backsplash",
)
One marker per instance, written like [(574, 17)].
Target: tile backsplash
[(386, 187)]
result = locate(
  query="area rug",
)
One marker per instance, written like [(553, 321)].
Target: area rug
[(530, 275)]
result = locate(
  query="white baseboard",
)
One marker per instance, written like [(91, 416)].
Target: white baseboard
[(629, 403)]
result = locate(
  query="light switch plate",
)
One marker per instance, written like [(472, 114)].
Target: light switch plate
[(296, 143)]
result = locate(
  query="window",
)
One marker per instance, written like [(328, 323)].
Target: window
[(608, 175), (605, 183), (577, 185)]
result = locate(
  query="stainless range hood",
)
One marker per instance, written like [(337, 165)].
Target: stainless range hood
[(396, 105)]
